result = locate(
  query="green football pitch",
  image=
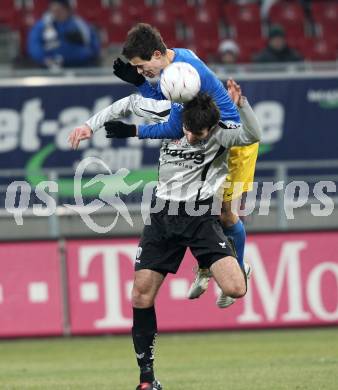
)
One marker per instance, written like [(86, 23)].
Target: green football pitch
[(284, 359)]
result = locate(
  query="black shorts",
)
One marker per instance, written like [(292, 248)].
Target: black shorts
[(164, 241)]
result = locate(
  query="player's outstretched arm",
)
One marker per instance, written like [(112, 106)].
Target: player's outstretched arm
[(246, 113), (119, 109), (247, 133), (249, 120), (248, 117), (172, 129), (154, 110), (231, 134)]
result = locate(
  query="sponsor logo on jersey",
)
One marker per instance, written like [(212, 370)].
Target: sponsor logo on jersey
[(231, 125), (197, 156)]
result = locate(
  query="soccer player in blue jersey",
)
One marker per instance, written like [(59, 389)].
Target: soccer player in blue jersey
[(148, 56)]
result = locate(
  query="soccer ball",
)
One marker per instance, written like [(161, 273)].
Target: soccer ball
[(180, 82)]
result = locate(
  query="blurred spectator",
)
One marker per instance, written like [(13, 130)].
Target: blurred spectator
[(228, 51), (62, 39), (277, 49)]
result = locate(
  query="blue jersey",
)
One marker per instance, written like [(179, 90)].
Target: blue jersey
[(209, 84)]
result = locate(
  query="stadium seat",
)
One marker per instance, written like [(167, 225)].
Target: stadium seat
[(164, 21), (34, 11), (199, 49), (325, 15), (287, 11), (204, 24), (249, 47), (178, 9), (325, 11), (117, 28), (207, 48), (206, 15), (10, 15), (39, 7), (290, 15), (133, 10), (323, 50), (251, 31), (205, 32), (97, 15), (234, 13), (243, 19), (318, 49)]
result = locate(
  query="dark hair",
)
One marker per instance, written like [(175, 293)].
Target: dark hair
[(65, 3), (142, 41), (200, 113), (276, 31)]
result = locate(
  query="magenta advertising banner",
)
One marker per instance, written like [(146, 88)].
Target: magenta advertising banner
[(30, 289), (294, 283)]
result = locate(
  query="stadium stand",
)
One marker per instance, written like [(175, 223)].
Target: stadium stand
[(199, 24)]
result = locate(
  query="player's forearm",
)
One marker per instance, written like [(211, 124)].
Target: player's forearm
[(250, 123), (248, 132), (172, 129), (241, 136), (117, 110), (159, 131)]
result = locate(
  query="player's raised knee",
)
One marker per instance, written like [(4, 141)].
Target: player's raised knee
[(240, 290), (237, 289)]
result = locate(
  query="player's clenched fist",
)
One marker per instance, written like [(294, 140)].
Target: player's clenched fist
[(79, 134)]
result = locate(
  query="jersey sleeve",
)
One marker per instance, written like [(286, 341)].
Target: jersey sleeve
[(172, 129), (154, 92), (248, 132), (118, 110), (168, 117)]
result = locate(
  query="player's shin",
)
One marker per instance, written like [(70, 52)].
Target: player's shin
[(144, 333)]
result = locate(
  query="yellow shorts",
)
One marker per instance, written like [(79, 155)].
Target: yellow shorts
[(241, 166)]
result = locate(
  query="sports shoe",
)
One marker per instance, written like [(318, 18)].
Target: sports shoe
[(156, 385), (224, 301), (200, 284)]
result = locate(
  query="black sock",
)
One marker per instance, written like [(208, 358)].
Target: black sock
[(144, 333)]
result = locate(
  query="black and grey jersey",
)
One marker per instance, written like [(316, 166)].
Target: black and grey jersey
[(187, 172)]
